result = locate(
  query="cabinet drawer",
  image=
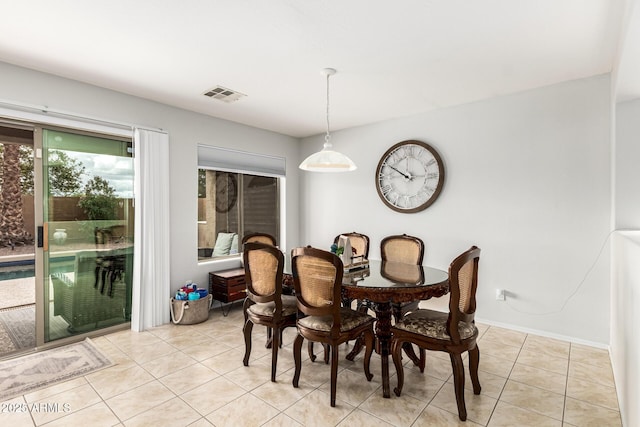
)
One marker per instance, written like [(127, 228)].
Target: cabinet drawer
[(228, 297), (231, 281), (227, 282), (229, 288)]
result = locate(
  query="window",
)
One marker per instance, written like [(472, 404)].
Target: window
[(233, 203)]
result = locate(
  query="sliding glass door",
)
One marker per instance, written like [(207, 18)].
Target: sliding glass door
[(87, 233)]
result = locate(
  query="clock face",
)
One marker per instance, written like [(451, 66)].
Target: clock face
[(226, 191), (410, 176)]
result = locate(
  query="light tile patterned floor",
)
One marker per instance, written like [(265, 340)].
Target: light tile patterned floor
[(194, 376)]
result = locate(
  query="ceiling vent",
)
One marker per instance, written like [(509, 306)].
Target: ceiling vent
[(223, 94)]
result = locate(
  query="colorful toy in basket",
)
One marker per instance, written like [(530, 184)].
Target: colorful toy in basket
[(190, 292)]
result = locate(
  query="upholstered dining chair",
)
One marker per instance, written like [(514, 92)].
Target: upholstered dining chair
[(454, 332), (265, 305), (265, 238), (405, 249), (359, 244), (317, 278)]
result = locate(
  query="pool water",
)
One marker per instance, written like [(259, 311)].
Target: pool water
[(17, 272), (23, 269)]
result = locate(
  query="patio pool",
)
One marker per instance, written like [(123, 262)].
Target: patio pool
[(26, 268)]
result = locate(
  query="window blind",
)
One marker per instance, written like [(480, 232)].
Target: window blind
[(225, 159)]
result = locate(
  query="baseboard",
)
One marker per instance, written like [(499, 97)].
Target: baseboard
[(544, 334)]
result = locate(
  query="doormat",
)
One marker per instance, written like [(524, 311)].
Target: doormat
[(20, 325), (38, 370), (6, 343)]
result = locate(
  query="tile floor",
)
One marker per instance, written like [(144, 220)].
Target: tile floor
[(193, 376)]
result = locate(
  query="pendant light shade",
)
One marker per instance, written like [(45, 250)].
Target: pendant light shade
[(328, 160)]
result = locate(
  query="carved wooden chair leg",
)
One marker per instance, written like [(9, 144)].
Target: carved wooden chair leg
[(423, 360), (310, 350), (274, 353), (297, 349), (458, 381), (357, 348), (474, 361), (248, 327), (334, 373), (269, 338), (396, 350)]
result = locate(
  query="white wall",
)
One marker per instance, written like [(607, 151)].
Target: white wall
[(625, 324), (186, 130), (528, 181), (627, 172), (625, 277)]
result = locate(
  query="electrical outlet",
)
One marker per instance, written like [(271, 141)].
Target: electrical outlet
[(500, 295)]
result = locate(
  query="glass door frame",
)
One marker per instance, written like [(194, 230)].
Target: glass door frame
[(39, 233), (41, 240)]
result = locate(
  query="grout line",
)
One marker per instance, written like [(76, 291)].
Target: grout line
[(102, 399), (132, 344), (508, 376), (566, 385)]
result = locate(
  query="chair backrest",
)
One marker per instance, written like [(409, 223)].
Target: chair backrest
[(463, 282), (402, 248), (263, 267), (317, 279), (265, 238), (359, 242), (402, 272)]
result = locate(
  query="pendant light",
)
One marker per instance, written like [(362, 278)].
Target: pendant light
[(328, 160)]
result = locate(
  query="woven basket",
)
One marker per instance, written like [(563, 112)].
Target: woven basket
[(190, 312)]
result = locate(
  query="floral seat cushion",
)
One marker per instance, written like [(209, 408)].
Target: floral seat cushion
[(350, 319), (433, 324), (289, 306)]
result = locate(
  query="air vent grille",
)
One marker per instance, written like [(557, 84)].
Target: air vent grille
[(223, 94)]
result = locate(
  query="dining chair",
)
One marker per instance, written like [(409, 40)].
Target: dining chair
[(454, 332), (359, 244), (408, 250), (265, 238), (317, 278), (265, 304), (402, 248)]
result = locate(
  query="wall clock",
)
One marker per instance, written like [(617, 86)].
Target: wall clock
[(226, 192), (410, 176)]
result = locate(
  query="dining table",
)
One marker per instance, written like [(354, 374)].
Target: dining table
[(384, 283)]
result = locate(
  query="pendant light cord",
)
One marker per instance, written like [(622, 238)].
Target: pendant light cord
[(327, 160), (327, 137)]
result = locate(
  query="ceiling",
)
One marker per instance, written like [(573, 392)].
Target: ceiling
[(393, 58)]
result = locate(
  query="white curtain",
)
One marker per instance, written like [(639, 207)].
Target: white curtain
[(151, 290)]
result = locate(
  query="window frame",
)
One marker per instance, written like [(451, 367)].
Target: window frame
[(244, 164)]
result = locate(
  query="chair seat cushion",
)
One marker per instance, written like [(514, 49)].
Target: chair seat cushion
[(351, 319), (289, 307), (433, 324)]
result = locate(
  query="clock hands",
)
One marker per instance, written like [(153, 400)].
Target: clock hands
[(401, 173)]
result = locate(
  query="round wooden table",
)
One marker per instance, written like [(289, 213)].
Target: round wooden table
[(386, 283)]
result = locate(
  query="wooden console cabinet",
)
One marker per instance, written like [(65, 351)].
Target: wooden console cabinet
[(228, 285)]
